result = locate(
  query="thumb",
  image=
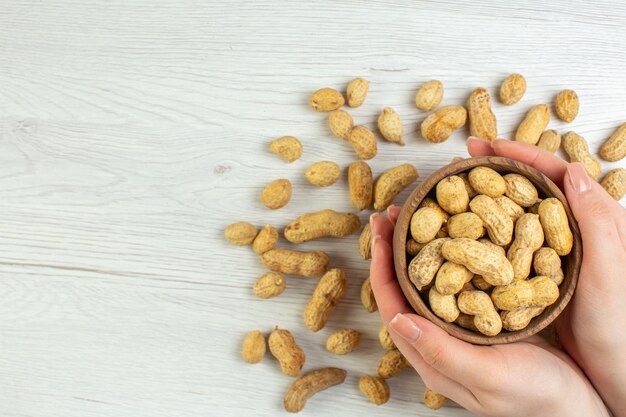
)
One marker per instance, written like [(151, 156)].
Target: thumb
[(591, 207)]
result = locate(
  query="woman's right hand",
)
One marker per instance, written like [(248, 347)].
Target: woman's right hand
[(593, 327)]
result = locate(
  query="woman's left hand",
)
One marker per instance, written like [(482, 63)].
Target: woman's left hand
[(518, 379)]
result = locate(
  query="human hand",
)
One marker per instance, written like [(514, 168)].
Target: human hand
[(592, 330)]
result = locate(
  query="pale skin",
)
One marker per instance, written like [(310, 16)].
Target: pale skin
[(587, 377)]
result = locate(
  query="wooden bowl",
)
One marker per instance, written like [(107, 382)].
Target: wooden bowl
[(570, 263)]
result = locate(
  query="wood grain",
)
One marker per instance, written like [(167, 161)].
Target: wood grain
[(132, 132)]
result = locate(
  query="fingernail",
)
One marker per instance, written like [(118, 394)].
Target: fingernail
[(579, 180), (389, 209), (474, 138), (373, 216), (375, 240), (405, 327)]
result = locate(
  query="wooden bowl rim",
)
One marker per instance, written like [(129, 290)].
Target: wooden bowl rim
[(571, 265)]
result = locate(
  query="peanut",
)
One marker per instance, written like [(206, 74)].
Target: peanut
[(325, 223), (277, 194), (434, 400), (390, 126), (424, 266), (444, 306), (482, 121), (519, 318), (534, 209), (287, 147), (363, 141), (326, 295), (467, 225), (308, 385), (479, 258), (343, 341), (451, 278), (497, 222), (480, 283), (478, 304), (550, 141), (413, 248), (614, 148), (556, 226), (614, 182), (365, 242), (468, 187), (375, 389), (357, 91), (452, 195), (361, 185), (269, 285), (511, 208), (425, 223), (429, 95), (540, 291), (391, 183), (528, 238), (438, 126), (429, 202), (521, 190), (326, 99), (534, 123), (575, 146), (285, 349), (265, 240), (323, 173), (512, 89), (547, 262), (566, 105), (293, 262), (367, 296), (391, 363), (340, 123), (466, 321), (468, 286), (240, 233), (486, 181), (254, 347), (493, 246), (385, 338)]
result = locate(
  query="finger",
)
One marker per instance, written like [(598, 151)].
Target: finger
[(591, 206), (552, 166), (393, 212), (387, 292), (479, 147), (434, 379), (458, 360), (381, 226)]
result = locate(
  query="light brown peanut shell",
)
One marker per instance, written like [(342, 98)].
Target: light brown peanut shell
[(438, 126), (425, 223), (285, 349), (480, 283), (375, 389), (265, 240), (429, 95), (287, 147), (310, 384), (575, 146), (467, 225), (340, 123), (390, 126), (566, 105), (424, 266), (240, 233), (521, 190), (519, 318), (497, 222), (276, 194), (479, 258), (365, 242), (482, 121), (429, 202), (385, 338), (478, 304), (614, 182), (512, 89), (325, 223), (434, 400), (326, 295), (452, 195), (357, 91), (391, 363), (528, 238), (254, 347), (547, 262), (614, 148), (326, 99), (466, 321), (363, 141), (391, 183), (539, 291), (451, 278), (293, 262), (323, 173), (269, 285), (444, 306), (485, 180), (468, 187), (556, 226), (360, 184), (533, 125), (367, 296), (413, 248), (342, 342), (511, 208), (550, 141)]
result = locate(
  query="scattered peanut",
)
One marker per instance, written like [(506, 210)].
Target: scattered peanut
[(614, 148), (343, 341), (357, 92), (482, 121), (365, 242), (512, 89), (550, 141), (533, 125), (566, 105), (287, 147), (438, 126), (361, 185), (326, 99), (310, 384), (293, 262), (323, 173), (434, 400), (375, 389), (614, 182), (240, 233), (478, 304), (340, 123), (327, 294), (367, 296), (390, 126), (391, 363), (429, 95), (385, 338), (575, 146), (363, 141), (325, 223), (285, 349), (254, 347), (269, 285), (391, 183), (265, 240), (277, 194), (556, 226)]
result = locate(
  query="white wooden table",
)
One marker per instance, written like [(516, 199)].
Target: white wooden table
[(132, 132)]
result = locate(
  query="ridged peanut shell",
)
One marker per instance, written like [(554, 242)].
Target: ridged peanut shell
[(357, 91), (240, 233), (325, 223), (390, 126), (361, 185), (429, 95), (391, 183), (375, 389), (575, 146), (533, 125), (342, 342), (285, 349), (287, 147), (363, 141), (614, 182), (276, 194), (566, 105), (438, 126), (254, 347), (310, 384), (326, 295), (614, 148), (512, 89), (340, 123), (326, 99), (269, 285), (482, 120), (293, 262), (323, 173)]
